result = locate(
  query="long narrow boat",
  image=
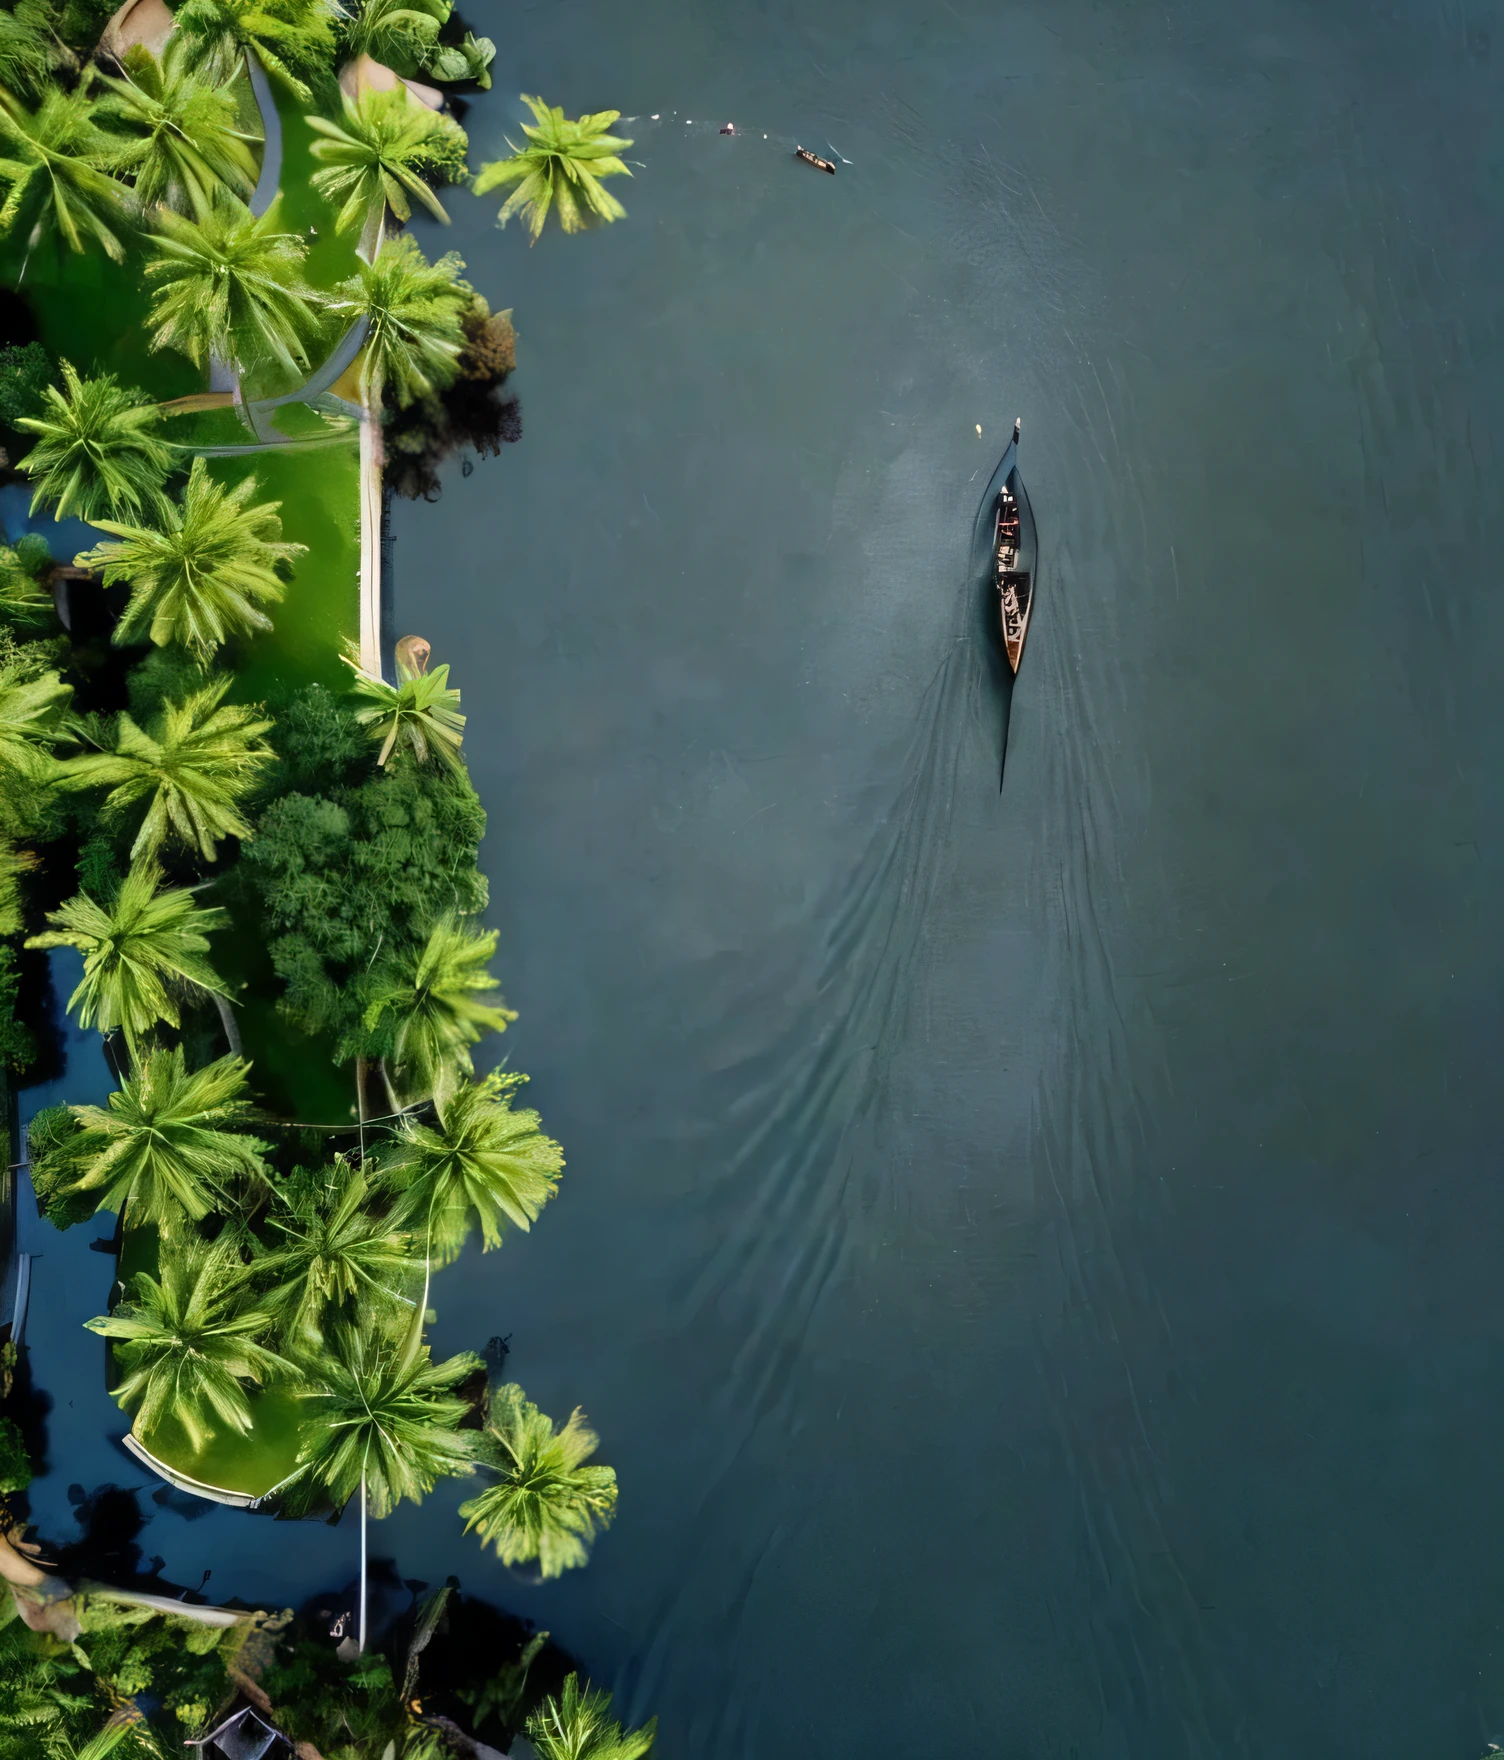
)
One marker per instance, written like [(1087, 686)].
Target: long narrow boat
[(1014, 553), (1004, 565)]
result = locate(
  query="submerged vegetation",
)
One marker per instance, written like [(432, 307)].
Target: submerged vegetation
[(217, 840)]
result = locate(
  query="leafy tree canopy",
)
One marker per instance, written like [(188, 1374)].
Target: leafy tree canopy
[(382, 154), (175, 130), (356, 871), (545, 1503), (231, 284), (479, 1161), (206, 573), (144, 949), (51, 158), (194, 764), (414, 312), (293, 38), (560, 170), (169, 1143), (97, 450)]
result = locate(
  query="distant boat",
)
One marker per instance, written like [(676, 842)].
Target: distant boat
[(1014, 552), (814, 159)]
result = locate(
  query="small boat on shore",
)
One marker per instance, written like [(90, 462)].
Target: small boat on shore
[(1013, 556), (814, 159)]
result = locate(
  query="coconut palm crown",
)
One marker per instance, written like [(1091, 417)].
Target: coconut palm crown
[(383, 1418), (176, 130), (290, 37), (420, 711), (559, 170), (97, 450), (330, 1247), (231, 284), (443, 999), (169, 1143), (144, 951), (545, 1504), (478, 1162), (194, 764), (186, 1342), (52, 159), (414, 312), (205, 574), (33, 715), (381, 154), (578, 1725)]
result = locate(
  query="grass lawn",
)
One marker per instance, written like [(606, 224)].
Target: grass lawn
[(251, 1464)]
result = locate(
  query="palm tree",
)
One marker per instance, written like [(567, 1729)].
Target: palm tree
[(444, 999), (334, 1250), (205, 574), (195, 763), (420, 710), (578, 1725), (168, 1143), (142, 952), (383, 1422), (28, 49), (96, 452), (33, 715), (380, 155), (480, 1160), (181, 140), (561, 169), (26, 581), (413, 311), (186, 1344), (546, 1503), (231, 285), (14, 863), (53, 161), (397, 33), (289, 36)]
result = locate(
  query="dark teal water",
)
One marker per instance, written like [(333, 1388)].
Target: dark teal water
[(1031, 1259)]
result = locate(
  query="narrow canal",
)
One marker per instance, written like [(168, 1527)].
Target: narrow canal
[(1029, 1257)]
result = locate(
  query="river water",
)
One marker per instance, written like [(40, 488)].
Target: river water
[(1028, 1255)]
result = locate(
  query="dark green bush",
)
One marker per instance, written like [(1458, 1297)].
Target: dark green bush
[(26, 371), (15, 1462), (18, 1046), (52, 1143)]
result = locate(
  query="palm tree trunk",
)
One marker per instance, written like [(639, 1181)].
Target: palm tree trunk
[(229, 1023), (361, 1639)]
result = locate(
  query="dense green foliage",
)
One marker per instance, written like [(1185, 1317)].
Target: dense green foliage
[(384, 1420), (206, 573), (144, 950), (578, 1725), (414, 312), (50, 165), (179, 138), (26, 371), (358, 870), (332, 1250), (194, 764), (144, 811), (545, 1503), (560, 170), (293, 38), (478, 1162), (15, 1462), (380, 154), (97, 450), (169, 1142), (231, 284), (188, 1345)]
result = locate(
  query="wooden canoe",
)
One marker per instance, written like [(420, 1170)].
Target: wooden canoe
[(1014, 554)]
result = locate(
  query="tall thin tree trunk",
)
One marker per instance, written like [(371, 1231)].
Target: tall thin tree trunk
[(361, 1640), (229, 1023)]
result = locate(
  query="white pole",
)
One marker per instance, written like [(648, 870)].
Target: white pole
[(362, 1639)]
